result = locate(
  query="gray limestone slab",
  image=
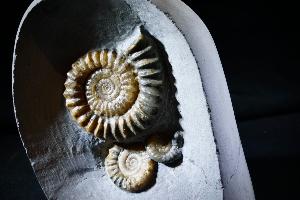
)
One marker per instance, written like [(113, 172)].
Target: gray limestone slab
[(67, 161)]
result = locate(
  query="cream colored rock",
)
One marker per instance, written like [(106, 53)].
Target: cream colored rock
[(131, 170)]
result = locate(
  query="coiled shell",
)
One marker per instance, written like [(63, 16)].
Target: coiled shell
[(131, 170), (164, 149), (116, 95)]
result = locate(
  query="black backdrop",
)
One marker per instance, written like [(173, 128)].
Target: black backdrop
[(258, 45)]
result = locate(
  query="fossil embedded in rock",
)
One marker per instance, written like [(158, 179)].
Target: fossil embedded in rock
[(164, 149), (131, 170), (116, 95)]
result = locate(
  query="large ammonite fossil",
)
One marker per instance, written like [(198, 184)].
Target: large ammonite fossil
[(116, 95), (129, 169)]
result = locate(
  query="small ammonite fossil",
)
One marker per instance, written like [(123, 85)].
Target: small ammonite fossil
[(164, 149), (131, 170), (116, 95)]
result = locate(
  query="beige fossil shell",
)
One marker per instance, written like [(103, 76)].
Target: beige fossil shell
[(131, 170), (116, 95), (164, 149)]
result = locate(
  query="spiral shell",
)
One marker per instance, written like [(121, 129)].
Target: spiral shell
[(116, 95), (131, 170), (164, 149)]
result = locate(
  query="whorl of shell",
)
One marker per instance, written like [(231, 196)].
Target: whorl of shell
[(165, 149), (116, 95), (131, 170)]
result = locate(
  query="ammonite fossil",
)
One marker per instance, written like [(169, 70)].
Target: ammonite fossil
[(164, 149), (131, 170), (116, 95)]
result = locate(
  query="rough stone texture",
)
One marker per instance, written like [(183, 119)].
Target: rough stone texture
[(235, 176), (67, 161)]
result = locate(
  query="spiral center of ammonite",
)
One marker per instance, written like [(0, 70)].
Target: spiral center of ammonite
[(104, 88), (111, 91), (132, 162)]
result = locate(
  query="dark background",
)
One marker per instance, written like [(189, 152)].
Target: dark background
[(258, 45)]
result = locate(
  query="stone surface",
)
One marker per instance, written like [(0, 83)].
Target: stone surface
[(68, 162), (234, 171)]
